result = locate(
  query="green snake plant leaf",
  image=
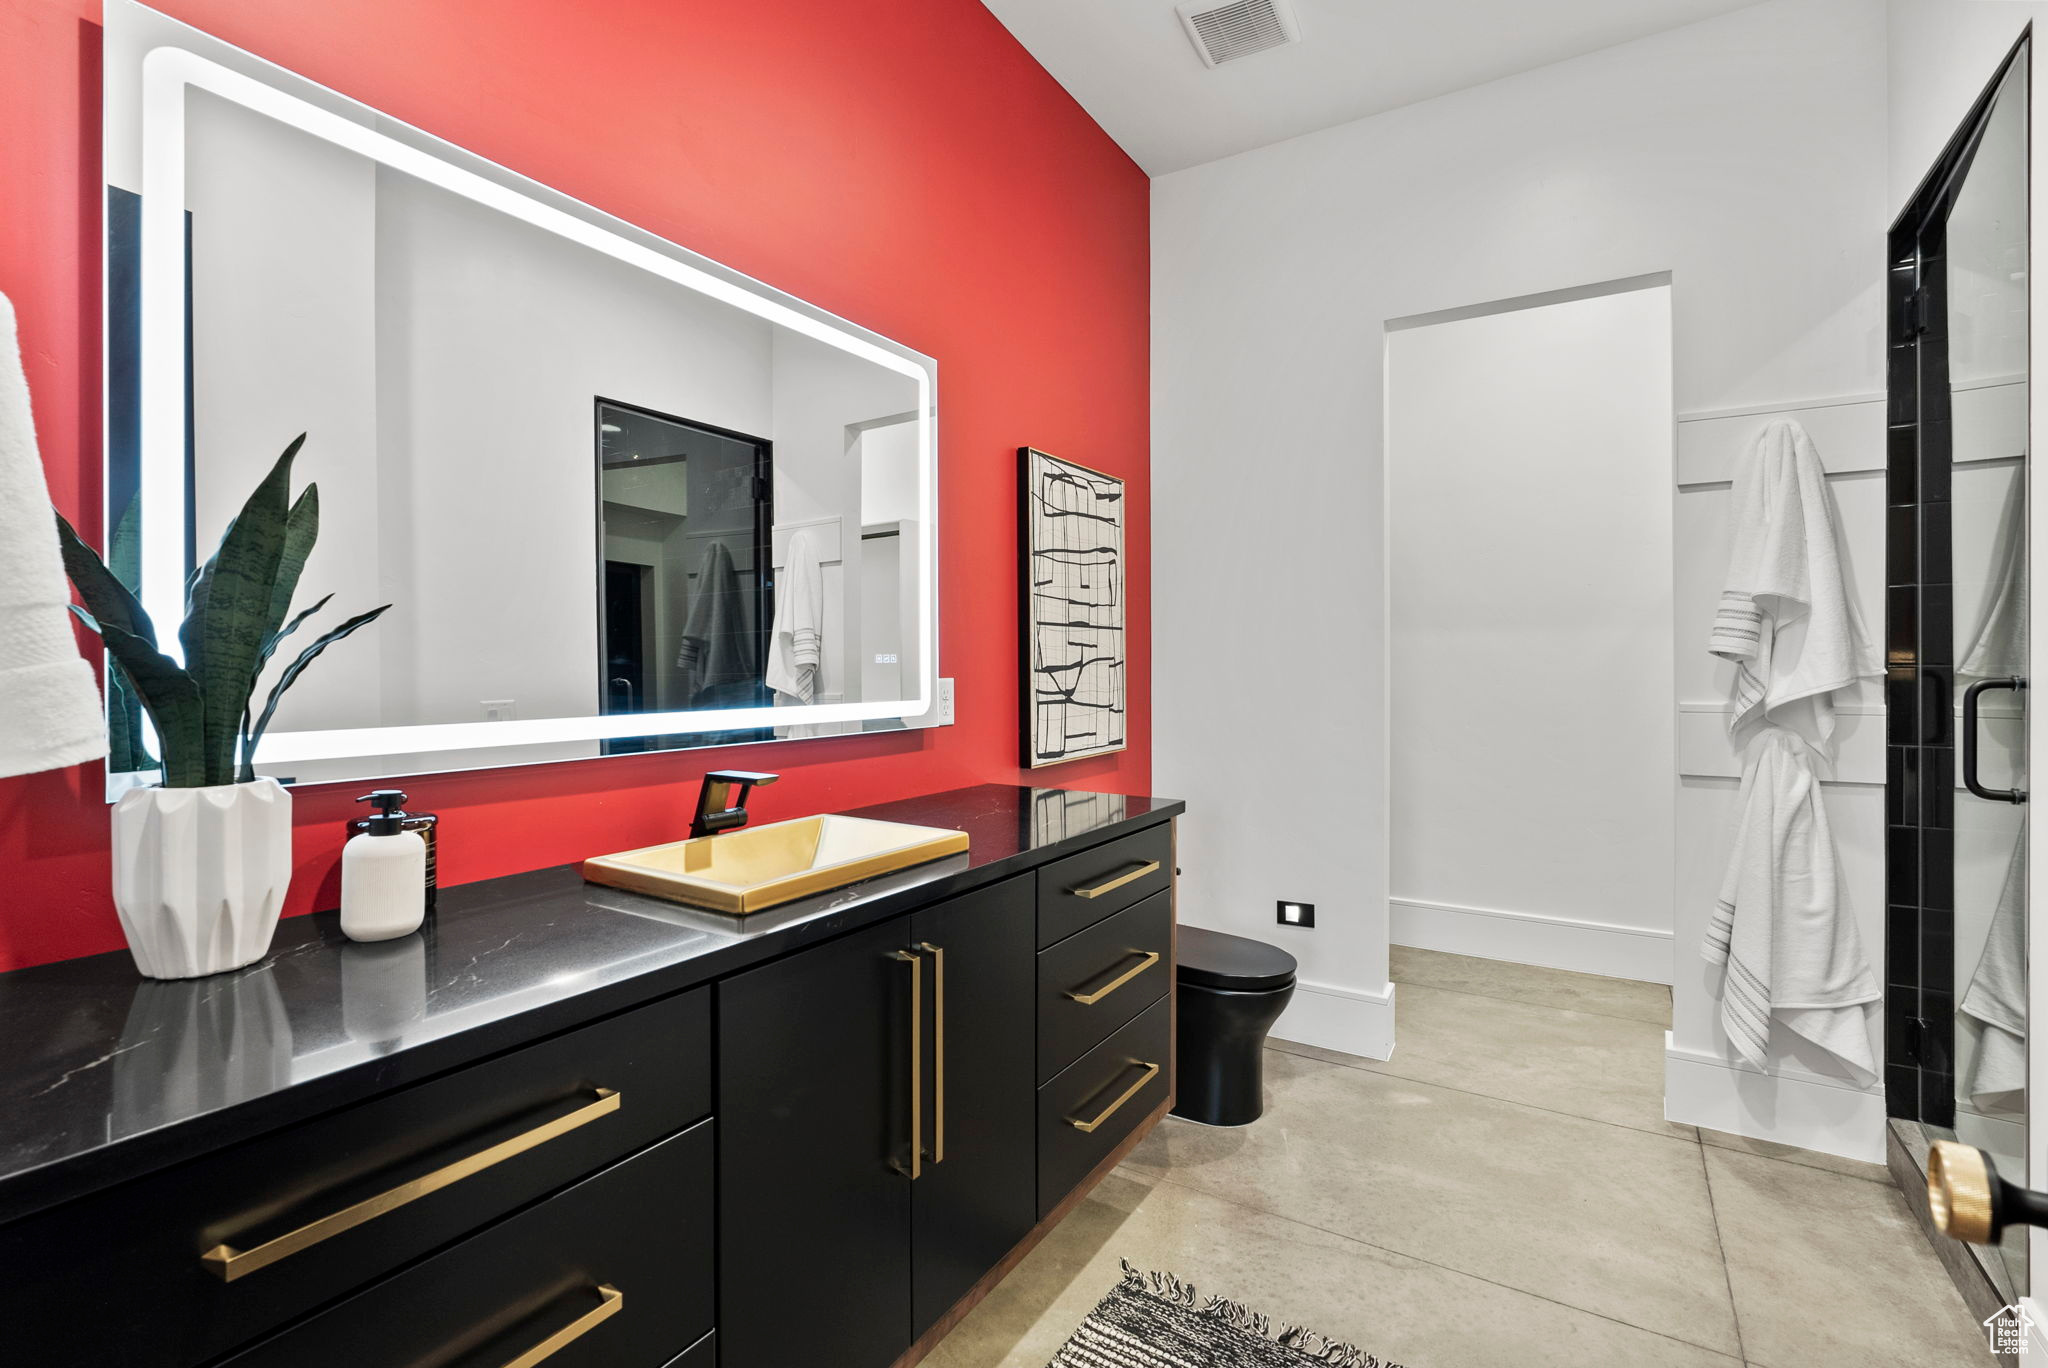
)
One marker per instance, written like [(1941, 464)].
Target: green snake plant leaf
[(172, 697), (108, 599), (298, 667), (247, 773), (271, 642), (301, 530), (227, 613)]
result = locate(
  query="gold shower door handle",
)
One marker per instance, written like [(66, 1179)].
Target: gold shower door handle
[(610, 1302), (1086, 1127), (1128, 876), (1147, 958), (915, 1168), (1969, 1201), (229, 1263), (938, 954)]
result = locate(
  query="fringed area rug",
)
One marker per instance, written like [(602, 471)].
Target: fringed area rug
[(1154, 1320)]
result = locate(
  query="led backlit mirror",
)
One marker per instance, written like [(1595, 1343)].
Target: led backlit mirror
[(621, 497)]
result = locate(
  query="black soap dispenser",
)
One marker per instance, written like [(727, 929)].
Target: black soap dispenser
[(390, 803)]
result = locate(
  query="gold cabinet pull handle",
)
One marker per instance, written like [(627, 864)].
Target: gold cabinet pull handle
[(916, 1166), (938, 954), (229, 1263), (1146, 959), (611, 1301), (1151, 1072), (1128, 876)]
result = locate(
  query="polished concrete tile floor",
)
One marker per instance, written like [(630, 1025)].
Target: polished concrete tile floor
[(1504, 1191)]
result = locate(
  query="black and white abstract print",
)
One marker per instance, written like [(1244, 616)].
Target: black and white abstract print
[(1074, 634)]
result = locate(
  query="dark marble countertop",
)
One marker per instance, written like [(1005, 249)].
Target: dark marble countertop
[(108, 1075)]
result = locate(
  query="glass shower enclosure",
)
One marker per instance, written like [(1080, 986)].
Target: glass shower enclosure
[(1957, 664)]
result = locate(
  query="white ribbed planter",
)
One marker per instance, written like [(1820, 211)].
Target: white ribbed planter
[(200, 874)]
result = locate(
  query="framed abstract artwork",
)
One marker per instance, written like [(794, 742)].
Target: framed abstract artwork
[(1072, 611)]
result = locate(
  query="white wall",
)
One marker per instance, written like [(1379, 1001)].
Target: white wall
[(1745, 155), (1529, 469)]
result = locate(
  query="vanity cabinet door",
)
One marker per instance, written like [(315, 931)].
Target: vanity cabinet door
[(977, 1193), (814, 1100)]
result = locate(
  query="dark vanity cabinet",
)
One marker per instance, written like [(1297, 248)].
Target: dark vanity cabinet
[(836, 1063), (617, 1135), (175, 1268), (976, 1194), (814, 1211)]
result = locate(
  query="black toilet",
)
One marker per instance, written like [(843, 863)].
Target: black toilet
[(1231, 992)]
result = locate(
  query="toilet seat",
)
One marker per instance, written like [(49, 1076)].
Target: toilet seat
[(1214, 959)]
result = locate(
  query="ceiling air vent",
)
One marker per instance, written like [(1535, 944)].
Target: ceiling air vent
[(1224, 33)]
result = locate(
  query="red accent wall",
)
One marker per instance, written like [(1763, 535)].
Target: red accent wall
[(904, 163)]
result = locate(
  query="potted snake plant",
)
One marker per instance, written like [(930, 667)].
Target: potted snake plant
[(201, 861)]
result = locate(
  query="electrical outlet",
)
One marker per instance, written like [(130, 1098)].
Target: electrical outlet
[(945, 704), (497, 709), (1297, 914)]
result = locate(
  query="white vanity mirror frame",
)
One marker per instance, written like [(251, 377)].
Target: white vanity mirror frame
[(151, 61)]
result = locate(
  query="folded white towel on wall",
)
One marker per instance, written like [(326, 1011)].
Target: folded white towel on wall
[(1786, 619), (1997, 995), (1998, 647), (1789, 949), (795, 645), (51, 715)]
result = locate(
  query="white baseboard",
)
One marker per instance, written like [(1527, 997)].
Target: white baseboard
[(1590, 947), (1787, 1107), (1344, 1019), (2037, 1334)]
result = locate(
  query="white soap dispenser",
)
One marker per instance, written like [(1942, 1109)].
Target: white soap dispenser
[(383, 880)]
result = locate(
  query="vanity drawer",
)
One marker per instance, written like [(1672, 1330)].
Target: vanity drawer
[(1082, 889), (181, 1266), (1087, 1111), (616, 1272), (1096, 980)]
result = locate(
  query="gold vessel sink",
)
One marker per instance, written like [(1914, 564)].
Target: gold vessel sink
[(759, 867)]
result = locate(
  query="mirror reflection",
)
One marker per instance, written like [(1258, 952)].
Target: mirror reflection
[(593, 488), (685, 513)]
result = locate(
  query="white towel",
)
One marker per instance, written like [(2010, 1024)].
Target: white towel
[(51, 716), (795, 641), (1998, 648), (1997, 996), (1785, 618), (1779, 927)]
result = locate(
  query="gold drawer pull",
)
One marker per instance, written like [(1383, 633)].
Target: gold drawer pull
[(1147, 959), (611, 1301), (1151, 1072), (915, 1168), (1128, 876), (229, 1263), (938, 953)]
